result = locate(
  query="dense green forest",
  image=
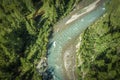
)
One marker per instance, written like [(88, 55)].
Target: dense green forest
[(25, 26), (99, 52)]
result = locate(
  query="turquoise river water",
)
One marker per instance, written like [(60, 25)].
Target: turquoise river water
[(60, 39)]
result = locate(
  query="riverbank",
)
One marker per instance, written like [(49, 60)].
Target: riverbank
[(76, 16)]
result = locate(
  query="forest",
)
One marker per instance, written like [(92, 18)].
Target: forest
[(99, 52), (27, 25), (25, 28)]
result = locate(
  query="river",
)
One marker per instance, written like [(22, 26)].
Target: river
[(65, 33)]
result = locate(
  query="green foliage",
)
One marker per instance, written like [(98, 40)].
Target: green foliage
[(100, 47), (25, 26)]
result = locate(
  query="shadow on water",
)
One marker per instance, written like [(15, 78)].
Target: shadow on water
[(48, 47), (48, 74), (50, 42)]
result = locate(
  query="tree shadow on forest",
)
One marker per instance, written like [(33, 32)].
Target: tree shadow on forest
[(19, 39)]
